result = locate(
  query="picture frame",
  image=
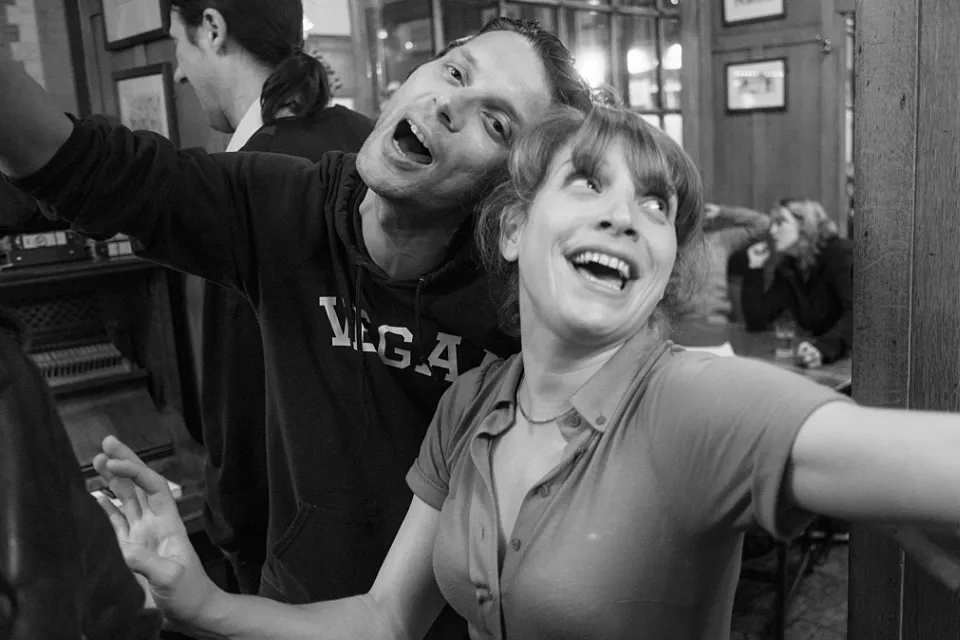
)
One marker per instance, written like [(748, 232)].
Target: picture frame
[(130, 22), (738, 12), (756, 85), (145, 99)]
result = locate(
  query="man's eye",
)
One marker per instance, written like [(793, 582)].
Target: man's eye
[(455, 73), (498, 129)]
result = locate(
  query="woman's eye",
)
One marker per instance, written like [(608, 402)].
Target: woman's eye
[(655, 204), (584, 181)]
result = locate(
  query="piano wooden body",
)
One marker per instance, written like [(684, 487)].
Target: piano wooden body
[(104, 334)]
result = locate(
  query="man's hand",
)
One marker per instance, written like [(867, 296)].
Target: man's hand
[(151, 534)]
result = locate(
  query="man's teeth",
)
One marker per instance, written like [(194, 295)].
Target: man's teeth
[(611, 262), (417, 133)]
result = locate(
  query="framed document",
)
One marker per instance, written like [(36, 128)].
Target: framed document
[(757, 85), (130, 22), (737, 12), (145, 98)]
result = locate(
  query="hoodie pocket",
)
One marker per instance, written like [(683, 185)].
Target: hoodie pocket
[(325, 554)]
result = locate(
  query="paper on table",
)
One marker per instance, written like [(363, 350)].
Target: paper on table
[(725, 349)]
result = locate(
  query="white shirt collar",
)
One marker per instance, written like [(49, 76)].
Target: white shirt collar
[(248, 126)]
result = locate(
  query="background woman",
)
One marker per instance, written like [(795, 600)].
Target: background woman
[(598, 484), (812, 280)]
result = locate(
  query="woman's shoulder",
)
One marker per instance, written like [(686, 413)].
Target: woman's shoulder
[(837, 247), (836, 254), (476, 394)]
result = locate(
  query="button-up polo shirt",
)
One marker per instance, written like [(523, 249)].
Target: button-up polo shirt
[(637, 532)]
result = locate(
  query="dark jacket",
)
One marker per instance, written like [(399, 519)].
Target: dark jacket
[(355, 361), (233, 398), (820, 301), (61, 571)]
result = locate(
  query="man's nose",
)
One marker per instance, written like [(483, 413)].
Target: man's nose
[(450, 111)]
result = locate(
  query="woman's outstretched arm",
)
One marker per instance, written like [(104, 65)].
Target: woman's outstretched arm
[(403, 602)]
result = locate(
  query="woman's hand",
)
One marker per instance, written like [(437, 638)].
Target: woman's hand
[(809, 356), (151, 534), (757, 255)]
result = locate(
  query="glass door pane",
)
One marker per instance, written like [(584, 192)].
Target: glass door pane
[(641, 63), (465, 17), (671, 60), (590, 44), (546, 16)]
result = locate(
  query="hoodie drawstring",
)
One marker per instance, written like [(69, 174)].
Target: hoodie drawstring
[(418, 338), (358, 336)]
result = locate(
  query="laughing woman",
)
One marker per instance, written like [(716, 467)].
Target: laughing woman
[(597, 485)]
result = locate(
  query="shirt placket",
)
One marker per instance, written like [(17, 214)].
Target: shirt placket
[(482, 535), (538, 500)]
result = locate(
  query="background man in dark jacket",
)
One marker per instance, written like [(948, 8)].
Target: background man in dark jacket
[(244, 60)]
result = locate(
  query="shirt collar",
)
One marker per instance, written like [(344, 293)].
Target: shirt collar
[(249, 125), (597, 400)]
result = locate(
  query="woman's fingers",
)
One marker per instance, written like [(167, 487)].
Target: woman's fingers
[(121, 487), (122, 461), (121, 526)]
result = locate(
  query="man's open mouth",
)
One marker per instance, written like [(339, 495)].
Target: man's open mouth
[(410, 142)]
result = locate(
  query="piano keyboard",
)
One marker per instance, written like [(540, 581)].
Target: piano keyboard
[(77, 364), (175, 489)]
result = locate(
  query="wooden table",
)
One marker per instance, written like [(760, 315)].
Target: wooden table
[(760, 345)]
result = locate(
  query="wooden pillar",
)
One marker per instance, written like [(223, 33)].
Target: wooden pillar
[(907, 274)]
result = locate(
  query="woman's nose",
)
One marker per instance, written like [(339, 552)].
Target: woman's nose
[(619, 219)]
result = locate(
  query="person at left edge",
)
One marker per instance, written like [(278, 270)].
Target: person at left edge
[(370, 296), (245, 62)]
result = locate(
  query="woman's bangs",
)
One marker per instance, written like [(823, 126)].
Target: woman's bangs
[(600, 132)]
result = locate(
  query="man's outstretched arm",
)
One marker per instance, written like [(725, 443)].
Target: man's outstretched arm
[(32, 128)]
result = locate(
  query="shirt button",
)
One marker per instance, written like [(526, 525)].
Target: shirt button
[(573, 421), (515, 543), (543, 490), (601, 420), (483, 595)]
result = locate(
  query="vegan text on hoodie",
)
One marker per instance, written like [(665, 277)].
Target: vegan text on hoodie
[(355, 362)]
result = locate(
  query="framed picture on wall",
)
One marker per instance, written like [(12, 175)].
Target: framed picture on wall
[(743, 11), (757, 85), (145, 97), (130, 22)]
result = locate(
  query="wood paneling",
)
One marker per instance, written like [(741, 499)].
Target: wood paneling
[(758, 158), (907, 297)]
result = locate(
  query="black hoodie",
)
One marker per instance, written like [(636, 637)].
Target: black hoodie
[(344, 420), (820, 301)]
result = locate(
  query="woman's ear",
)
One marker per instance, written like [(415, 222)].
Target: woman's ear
[(511, 233)]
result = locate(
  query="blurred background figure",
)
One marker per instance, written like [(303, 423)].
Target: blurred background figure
[(728, 230), (812, 280), (245, 61)]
